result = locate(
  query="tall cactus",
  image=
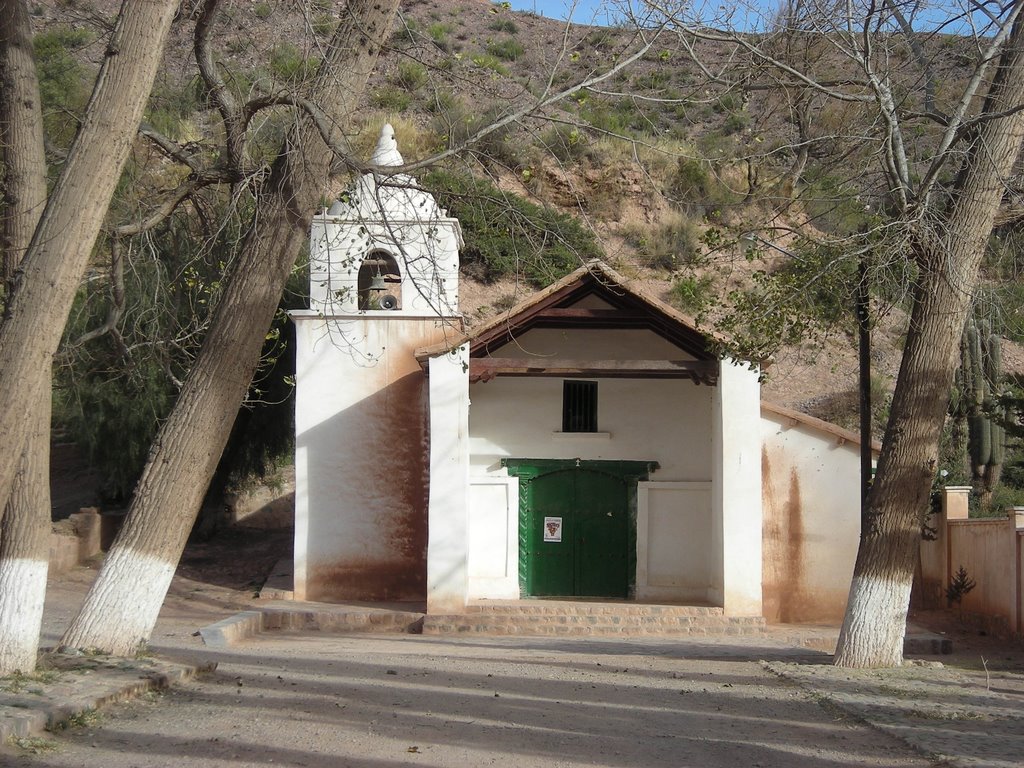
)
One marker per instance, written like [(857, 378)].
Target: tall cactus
[(981, 373)]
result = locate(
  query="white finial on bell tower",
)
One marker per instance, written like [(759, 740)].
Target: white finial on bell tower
[(387, 152)]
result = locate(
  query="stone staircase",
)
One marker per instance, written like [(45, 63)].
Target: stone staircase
[(590, 618)]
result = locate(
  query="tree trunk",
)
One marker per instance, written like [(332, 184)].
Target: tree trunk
[(45, 286), (121, 609), (25, 549), (950, 252), (21, 137), (25, 520)]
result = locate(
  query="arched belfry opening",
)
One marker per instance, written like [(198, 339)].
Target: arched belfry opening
[(379, 283)]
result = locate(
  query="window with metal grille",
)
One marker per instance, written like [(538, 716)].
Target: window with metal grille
[(579, 406)]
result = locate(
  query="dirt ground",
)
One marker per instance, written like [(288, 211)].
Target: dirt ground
[(374, 701), (302, 700)]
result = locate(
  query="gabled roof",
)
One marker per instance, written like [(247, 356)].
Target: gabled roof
[(555, 306)]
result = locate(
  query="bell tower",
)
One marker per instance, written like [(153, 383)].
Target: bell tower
[(385, 246), (384, 261)]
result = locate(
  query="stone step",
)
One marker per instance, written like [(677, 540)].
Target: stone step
[(526, 618), (340, 621), (589, 608), (606, 625), (317, 617)]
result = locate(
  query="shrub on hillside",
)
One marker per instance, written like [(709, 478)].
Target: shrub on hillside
[(507, 235)]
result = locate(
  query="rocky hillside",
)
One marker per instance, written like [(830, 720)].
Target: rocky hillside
[(667, 168)]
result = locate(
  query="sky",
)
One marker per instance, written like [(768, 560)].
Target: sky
[(585, 12), (745, 14)]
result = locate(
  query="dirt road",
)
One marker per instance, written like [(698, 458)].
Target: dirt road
[(407, 700), (362, 701)]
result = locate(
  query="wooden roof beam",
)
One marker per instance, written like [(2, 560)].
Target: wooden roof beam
[(698, 371)]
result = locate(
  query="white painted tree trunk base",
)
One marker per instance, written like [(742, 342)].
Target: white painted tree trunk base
[(121, 610), (876, 624), (22, 594)]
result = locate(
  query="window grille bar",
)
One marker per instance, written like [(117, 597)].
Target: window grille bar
[(579, 406)]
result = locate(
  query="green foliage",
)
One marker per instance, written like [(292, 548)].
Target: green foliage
[(653, 79), (262, 10), (735, 123), (442, 102), (33, 745), (324, 25), (489, 61), (507, 49), (289, 66), (807, 297), (692, 294), (410, 75), (1008, 301), (264, 430), (63, 82), (1003, 297), (406, 34), (112, 392), (666, 246), (497, 148), (959, 585), (696, 188), (623, 117), (169, 109), (834, 204), (503, 25), (438, 32), (976, 400), (599, 38), (1002, 498), (508, 236), (565, 142), (114, 416), (391, 98), (87, 718)]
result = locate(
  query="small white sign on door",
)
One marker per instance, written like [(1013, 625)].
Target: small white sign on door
[(552, 529)]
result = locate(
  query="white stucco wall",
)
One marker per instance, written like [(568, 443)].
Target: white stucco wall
[(494, 537), (736, 491), (361, 456), (663, 420), (448, 529), (811, 519), (674, 526)]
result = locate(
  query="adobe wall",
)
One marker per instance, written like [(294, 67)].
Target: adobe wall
[(811, 501)]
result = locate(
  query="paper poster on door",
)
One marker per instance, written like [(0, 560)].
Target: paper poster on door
[(552, 529)]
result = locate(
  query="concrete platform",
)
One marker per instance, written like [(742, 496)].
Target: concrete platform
[(70, 685)]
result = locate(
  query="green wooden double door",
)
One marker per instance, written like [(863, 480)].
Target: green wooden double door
[(578, 527)]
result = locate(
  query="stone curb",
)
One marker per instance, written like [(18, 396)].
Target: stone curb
[(233, 629), (84, 684), (248, 624)]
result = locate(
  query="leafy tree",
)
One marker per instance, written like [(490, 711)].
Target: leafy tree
[(39, 298), (944, 157)]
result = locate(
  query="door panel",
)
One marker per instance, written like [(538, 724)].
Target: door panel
[(602, 535), (551, 562), (591, 557)]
